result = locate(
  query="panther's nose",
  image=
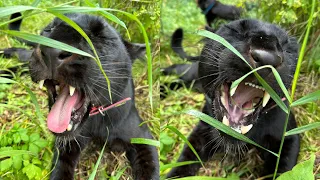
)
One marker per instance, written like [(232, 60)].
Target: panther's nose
[(266, 57), (54, 57), (266, 50)]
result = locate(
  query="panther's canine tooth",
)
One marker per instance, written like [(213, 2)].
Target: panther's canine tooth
[(225, 121), (266, 98), (222, 101), (251, 111), (71, 90), (233, 90), (245, 129), (236, 129), (69, 127), (57, 88), (41, 84)]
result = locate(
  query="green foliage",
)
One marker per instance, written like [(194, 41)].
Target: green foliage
[(302, 171), (27, 154)]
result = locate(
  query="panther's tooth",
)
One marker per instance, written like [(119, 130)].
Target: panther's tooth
[(237, 129), (71, 90), (266, 98), (233, 90), (41, 84), (69, 127), (57, 89), (245, 129), (222, 101), (225, 121)]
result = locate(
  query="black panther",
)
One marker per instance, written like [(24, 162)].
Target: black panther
[(247, 108), (78, 94), (213, 9)]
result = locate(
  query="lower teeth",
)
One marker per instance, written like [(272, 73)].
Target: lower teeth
[(69, 126)]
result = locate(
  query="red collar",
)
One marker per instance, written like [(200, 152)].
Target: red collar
[(101, 109)]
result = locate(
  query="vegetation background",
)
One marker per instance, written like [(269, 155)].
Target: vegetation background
[(291, 15), (19, 129)]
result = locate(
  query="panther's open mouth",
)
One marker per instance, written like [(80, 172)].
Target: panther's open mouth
[(242, 104), (69, 108)]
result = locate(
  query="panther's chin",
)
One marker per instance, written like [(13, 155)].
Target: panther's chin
[(70, 107), (241, 105)]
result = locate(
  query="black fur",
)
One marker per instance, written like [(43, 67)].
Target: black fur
[(219, 10), (119, 124), (260, 43)]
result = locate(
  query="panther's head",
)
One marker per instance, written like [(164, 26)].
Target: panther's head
[(75, 83), (260, 44), (204, 4)]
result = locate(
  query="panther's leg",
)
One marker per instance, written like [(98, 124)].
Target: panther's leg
[(144, 162), (143, 158), (66, 156), (205, 140), (289, 154)]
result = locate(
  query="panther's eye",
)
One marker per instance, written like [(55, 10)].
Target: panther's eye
[(64, 55)]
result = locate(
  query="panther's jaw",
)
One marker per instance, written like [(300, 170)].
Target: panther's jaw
[(241, 105), (69, 109)]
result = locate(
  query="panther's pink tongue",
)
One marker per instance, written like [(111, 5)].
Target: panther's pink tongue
[(60, 113)]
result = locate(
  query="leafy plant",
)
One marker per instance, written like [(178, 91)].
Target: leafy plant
[(24, 153)]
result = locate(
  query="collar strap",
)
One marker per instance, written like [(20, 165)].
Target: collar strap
[(205, 12), (96, 110)]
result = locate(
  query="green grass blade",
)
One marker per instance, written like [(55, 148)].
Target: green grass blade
[(302, 129), (85, 36), (10, 153), (119, 173), (205, 178), (177, 164), (302, 51), (66, 9), (109, 16), (40, 120), (217, 124), (6, 11), (148, 51), (145, 141), (306, 99), (47, 42), (78, 9), (276, 75), (95, 169), (221, 40), (272, 93), (177, 132), (4, 80), (35, 3)]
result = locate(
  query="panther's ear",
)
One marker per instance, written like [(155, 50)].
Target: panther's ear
[(135, 50)]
